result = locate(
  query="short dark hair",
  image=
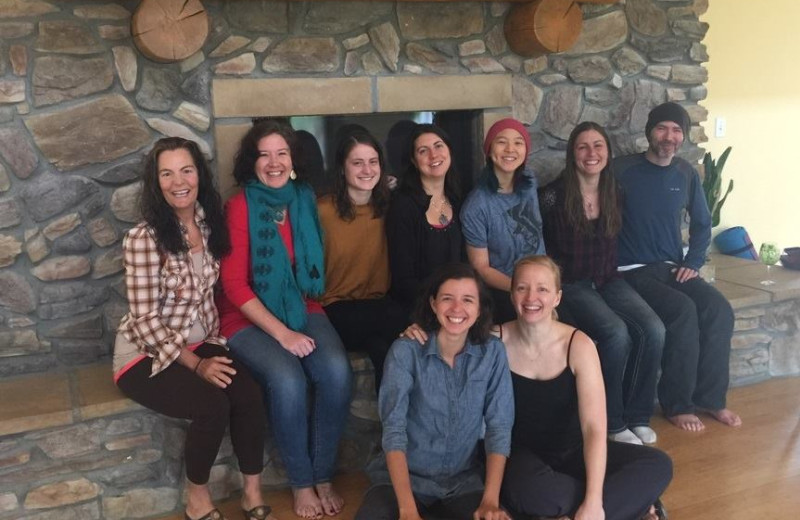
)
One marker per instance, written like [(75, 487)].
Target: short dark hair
[(423, 314), (245, 160), (380, 194), (162, 218)]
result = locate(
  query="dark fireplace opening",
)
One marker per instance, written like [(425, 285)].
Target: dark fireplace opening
[(319, 135)]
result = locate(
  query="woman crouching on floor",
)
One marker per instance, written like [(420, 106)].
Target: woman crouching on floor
[(435, 401), (561, 464)]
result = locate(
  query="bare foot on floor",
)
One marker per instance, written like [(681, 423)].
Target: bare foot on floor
[(726, 417), (306, 503), (332, 502), (687, 421)]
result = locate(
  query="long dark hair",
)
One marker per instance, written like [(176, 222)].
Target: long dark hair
[(412, 181), (380, 193), (161, 216), (423, 313), (245, 160), (608, 196)]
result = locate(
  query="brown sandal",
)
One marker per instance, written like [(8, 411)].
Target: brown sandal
[(257, 513), (214, 514)]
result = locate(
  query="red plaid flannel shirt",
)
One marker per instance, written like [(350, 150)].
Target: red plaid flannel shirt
[(166, 296)]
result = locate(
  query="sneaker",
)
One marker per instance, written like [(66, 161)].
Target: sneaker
[(625, 436), (645, 433)]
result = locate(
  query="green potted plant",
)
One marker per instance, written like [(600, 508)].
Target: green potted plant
[(712, 187), (712, 184)]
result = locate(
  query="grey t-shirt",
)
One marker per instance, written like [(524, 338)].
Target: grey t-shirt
[(509, 225)]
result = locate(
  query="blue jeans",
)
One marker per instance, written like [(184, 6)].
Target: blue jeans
[(307, 443), (630, 339)]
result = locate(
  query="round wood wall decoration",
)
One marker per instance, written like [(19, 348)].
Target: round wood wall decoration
[(543, 26), (169, 30)]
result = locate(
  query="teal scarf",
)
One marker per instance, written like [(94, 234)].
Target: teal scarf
[(278, 287)]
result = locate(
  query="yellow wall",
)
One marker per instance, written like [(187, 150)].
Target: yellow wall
[(754, 83)]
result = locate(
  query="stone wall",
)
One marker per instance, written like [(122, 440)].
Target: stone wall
[(79, 105)]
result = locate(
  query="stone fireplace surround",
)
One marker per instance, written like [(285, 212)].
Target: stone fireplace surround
[(79, 107), (234, 99)]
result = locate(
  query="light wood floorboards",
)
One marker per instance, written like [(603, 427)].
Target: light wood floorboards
[(748, 473)]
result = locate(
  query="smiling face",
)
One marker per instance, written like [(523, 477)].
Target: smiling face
[(508, 151), (178, 179), (362, 171), (274, 163), (457, 305), (591, 153), (431, 156), (665, 139), (534, 293)]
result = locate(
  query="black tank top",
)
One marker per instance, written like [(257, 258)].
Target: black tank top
[(546, 420)]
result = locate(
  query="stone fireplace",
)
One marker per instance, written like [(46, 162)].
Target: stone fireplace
[(80, 105)]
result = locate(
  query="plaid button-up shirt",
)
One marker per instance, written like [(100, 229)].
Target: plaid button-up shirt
[(166, 296)]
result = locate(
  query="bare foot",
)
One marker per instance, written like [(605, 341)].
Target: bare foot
[(687, 421), (332, 502), (726, 417), (306, 503)]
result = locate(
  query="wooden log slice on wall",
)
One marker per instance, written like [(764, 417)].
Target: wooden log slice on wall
[(543, 26), (169, 30)]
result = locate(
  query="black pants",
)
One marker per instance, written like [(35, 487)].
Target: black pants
[(177, 392), (635, 477), (699, 326), (380, 503), (369, 326)]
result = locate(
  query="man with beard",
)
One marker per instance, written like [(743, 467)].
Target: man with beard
[(658, 188)]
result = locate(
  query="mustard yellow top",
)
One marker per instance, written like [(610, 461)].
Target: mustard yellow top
[(356, 254)]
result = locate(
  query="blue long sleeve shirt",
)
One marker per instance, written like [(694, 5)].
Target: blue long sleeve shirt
[(436, 414), (654, 200)]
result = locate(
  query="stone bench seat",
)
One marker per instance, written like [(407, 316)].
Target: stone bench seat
[(71, 442)]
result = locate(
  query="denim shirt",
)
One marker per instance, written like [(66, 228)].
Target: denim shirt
[(437, 415)]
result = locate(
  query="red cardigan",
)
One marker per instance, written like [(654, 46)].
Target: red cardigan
[(236, 274)]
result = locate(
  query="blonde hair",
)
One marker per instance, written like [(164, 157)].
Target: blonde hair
[(542, 261)]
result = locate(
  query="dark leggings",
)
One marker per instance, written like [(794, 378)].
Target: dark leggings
[(368, 326), (635, 477), (177, 392), (380, 503)]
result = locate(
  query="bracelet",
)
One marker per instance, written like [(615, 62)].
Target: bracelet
[(198, 365)]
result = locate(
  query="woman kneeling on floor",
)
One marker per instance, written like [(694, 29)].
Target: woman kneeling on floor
[(561, 464), (434, 403), (169, 355)]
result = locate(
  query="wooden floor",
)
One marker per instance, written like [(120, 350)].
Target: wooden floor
[(748, 473)]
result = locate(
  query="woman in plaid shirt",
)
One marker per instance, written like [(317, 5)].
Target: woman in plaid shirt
[(582, 218), (169, 355)]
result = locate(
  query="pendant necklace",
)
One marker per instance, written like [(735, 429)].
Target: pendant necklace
[(443, 220)]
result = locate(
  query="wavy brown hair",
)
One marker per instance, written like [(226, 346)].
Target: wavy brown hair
[(608, 192), (411, 180), (245, 160), (380, 193), (161, 216)]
